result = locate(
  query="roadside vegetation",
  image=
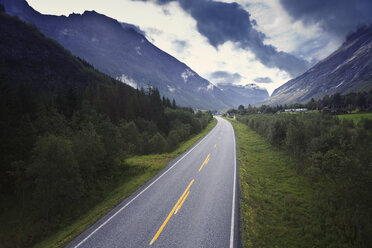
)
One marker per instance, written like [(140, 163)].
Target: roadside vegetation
[(66, 133), (63, 165), (355, 117), (144, 167), (72, 163), (332, 159), (277, 205)]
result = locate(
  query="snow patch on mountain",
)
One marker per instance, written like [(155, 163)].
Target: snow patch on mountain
[(340, 84), (127, 80), (138, 50), (186, 74), (210, 86), (171, 89)]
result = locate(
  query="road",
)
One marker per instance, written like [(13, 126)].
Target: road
[(193, 202)]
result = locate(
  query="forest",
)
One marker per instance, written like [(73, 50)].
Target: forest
[(66, 129), (335, 104), (335, 157)]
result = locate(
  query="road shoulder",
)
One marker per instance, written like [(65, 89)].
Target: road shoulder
[(152, 166)]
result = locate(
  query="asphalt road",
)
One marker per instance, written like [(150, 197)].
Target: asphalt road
[(191, 203)]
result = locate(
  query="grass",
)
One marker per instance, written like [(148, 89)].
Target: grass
[(150, 165), (356, 117), (277, 205)]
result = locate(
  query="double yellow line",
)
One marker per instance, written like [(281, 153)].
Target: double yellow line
[(205, 162), (179, 203), (175, 209)]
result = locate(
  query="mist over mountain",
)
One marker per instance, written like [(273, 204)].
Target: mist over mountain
[(123, 52), (348, 69), (244, 94)]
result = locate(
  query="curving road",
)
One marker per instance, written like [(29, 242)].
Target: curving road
[(193, 202)]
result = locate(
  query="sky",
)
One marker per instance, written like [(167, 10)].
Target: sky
[(266, 42)]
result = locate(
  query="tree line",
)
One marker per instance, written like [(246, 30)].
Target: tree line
[(58, 149), (337, 103), (335, 155)]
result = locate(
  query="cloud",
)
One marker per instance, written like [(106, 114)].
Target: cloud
[(180, 45), (225, 77), (154, 31), (339, 17), (134, 27), (263, 80), (221, 22)]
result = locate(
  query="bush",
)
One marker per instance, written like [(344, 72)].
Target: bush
[(195, 126), (277, 132), (173, 139), (89, 152), (158, 144), (56, 175), (132, 139)]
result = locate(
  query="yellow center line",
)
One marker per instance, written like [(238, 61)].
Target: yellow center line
[(205, 162), (215, 145), (170, 214), (179, 206)]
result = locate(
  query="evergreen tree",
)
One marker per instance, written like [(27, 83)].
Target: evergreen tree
[(56, 173), (174, 106)]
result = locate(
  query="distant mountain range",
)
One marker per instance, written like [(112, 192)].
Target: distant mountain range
[(122, 52), (243, 94), (348, 69)]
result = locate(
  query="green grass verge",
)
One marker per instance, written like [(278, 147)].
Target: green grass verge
[(356, 117), (150, 165), (277, 205)]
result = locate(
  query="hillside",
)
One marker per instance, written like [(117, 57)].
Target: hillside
[(66, 130), (121, 52), (348, 69)]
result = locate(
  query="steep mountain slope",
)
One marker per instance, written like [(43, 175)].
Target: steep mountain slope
[(121, 52), (37, 76), (65, 131), (28, 57), (243, 94), (348, 69)]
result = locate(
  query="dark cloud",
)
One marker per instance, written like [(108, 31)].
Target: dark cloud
[(264, 80), (225, 77), (339, 17), (220, 22)]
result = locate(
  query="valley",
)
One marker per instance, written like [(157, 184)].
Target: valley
[(109, 141)]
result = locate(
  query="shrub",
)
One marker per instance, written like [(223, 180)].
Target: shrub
[(56, 175), (158, 144), (173, 139)]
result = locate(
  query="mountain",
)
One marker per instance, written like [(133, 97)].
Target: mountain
[(65, 130), (348, 69), (243, 94), (122, 52)]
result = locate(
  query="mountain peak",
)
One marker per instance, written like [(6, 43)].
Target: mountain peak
[(347, 70), (121, 51), (15, 7)]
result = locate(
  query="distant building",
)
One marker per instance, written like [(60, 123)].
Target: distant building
[(296, 110)]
